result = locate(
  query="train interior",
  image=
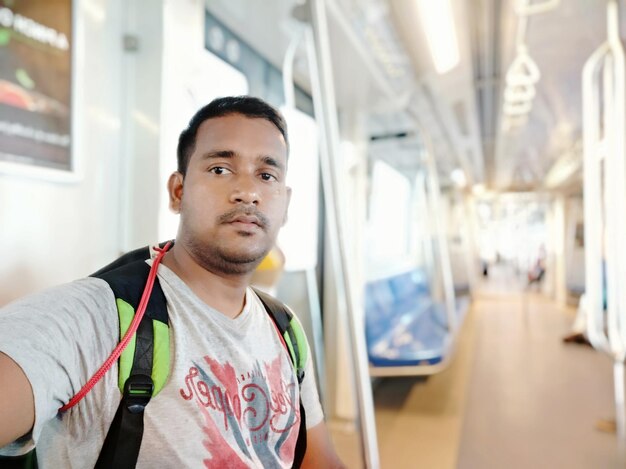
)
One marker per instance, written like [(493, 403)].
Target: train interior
[(453, 247)]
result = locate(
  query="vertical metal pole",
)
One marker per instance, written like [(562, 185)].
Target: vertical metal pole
[(592, 200), (442, 241), (311, 282), (316, 326), (467, 244), (608, 334), (558, 209), (426, 234), (326, 111), (288, 83), (618, 176), (608, 200), (615, 209)]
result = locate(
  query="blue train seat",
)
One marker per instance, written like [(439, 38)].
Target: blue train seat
[(404, 326)]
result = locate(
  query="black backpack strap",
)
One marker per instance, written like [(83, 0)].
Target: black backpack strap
[(136, 255), (281, 315), (123, 441), (128, 281)]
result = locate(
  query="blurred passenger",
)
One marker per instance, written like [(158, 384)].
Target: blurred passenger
[(232, 396), (485, 268), (538, 271), (536, 274)]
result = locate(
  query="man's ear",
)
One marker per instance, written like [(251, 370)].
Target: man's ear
[(175, 189), (287, 206)]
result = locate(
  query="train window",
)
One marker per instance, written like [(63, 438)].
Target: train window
[(389, 220), (264, 79)]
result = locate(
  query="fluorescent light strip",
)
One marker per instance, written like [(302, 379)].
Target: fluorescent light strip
[(457, 176), (438, 25)]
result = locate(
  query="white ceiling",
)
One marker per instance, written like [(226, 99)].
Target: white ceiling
[(382, 67)]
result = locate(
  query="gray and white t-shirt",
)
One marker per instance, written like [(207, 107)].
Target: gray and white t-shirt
[(231, 399)]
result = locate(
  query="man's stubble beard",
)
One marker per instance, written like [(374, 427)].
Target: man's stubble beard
[(215, 258)]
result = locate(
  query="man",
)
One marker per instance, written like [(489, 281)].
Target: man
[(232, 199)]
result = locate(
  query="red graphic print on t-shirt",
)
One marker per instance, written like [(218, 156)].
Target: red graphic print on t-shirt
[(248, 416)]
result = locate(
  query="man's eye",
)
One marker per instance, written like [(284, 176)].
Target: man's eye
[(219, 170), (268, 177)]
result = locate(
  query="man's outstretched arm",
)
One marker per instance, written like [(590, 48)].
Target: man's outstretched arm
[(319, 449), (17, 404)]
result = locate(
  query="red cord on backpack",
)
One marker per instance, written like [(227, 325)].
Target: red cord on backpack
[(141, 309)]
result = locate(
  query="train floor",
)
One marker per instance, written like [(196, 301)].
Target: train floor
[(514, 396)]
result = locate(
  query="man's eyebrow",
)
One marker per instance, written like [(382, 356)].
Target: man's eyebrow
[(229, 154), (218, 154), (271, 161)]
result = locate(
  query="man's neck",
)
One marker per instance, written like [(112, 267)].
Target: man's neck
[(225, 293)]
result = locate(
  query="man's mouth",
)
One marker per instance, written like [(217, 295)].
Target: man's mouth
[(245, 219)]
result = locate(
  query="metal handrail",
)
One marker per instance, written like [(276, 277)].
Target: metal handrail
[(433, 193), (288, 82), (325, 108), (592, 199), (312, 291), (605, 203), (423, 204)]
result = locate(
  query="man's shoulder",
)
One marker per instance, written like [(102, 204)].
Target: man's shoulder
[(86, 286), (83, 290)]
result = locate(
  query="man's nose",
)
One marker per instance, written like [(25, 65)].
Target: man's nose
[(245, 191)]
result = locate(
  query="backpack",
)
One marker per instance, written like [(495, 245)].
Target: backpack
[(144, 362)]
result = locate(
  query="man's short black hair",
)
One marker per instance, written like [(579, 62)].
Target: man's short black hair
[(248, 106)]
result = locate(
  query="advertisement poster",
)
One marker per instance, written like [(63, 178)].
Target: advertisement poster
[(35, 83)]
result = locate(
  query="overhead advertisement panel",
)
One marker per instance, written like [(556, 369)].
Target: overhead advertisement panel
[(35, 83)]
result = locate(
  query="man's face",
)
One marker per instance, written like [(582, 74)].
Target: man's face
[(233, 199)]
